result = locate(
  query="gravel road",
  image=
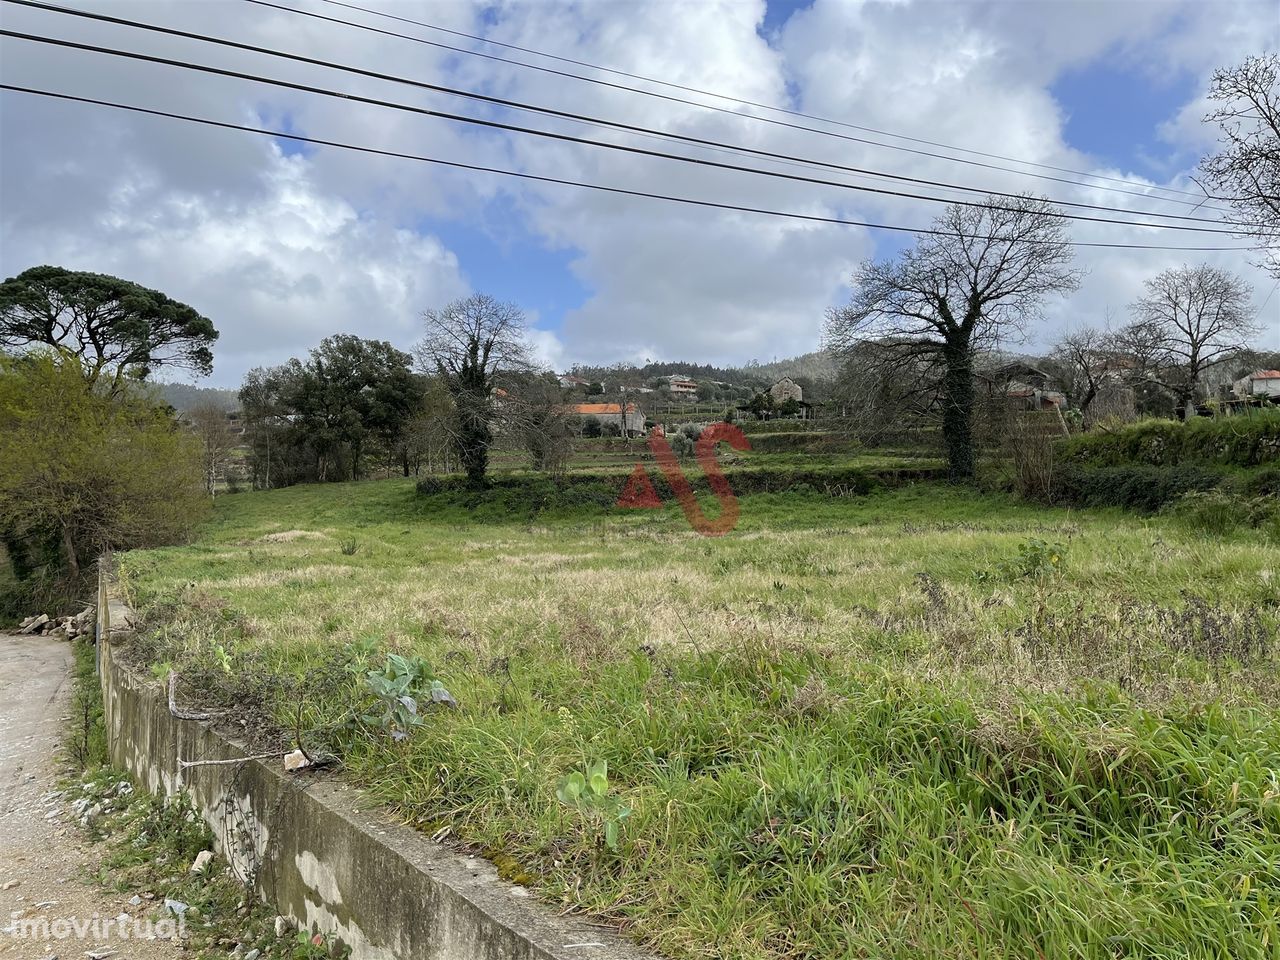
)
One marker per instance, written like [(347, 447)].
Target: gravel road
[(44, 858)]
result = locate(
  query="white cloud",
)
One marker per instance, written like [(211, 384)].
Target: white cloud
[(281, 251)]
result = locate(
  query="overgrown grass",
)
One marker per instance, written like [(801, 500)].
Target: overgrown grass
[(888, 725)]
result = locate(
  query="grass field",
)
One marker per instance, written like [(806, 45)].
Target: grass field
[(924, 722)]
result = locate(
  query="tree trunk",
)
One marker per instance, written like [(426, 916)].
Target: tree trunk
[(957, 411), (69, 550), (474, 453)]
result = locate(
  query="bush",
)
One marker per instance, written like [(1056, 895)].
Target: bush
[(1145, 488), (681, 445), (1259, 483), (83, 470), (1230, 441), (522, 496)]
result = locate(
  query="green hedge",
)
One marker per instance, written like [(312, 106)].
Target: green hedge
[(1247, 441), (1139, 487), (527, 495)]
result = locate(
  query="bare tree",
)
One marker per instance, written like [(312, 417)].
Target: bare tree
[(209, 422), (467, 343), (1189, 319), (536, 416), (1087, 358), (981, 276), (1246, 173), (431, 434)]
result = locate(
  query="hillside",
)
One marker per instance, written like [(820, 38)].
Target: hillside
[(186, 396)]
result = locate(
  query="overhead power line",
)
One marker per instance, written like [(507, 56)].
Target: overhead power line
[(583, 119), (566, 138), (603, 188), (729, 97)]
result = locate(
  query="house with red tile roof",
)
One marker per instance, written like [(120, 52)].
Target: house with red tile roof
[(1260, 383), (632, 420)]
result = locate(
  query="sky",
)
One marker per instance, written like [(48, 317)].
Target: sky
[(282, 244)]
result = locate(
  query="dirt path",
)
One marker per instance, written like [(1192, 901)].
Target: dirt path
[(43, 855)]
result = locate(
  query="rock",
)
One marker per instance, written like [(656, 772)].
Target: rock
[(253, 954), (34, 624), (283, 926), (201, 861), (9, 884), (91, 815), (175, 907), (297, 760)]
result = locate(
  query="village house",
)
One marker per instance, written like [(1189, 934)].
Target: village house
[(786, 389), (1260, 383), (1025, 386), (571, 381), (632, 421), (681, 386)]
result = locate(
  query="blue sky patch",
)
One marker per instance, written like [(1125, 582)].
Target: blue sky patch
[(1114, 110)]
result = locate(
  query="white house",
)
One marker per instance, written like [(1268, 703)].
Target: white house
[(1260, 383), (682, 386)]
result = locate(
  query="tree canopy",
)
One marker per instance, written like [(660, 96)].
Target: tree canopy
[(82, 470), (1187, 320), (316, 420), (117, 328), (467, 344), (980, 277)]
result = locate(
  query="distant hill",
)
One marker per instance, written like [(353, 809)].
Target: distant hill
[(819, 365), (185, 396)]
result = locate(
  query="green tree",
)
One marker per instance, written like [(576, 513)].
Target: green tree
[(468, 343), (117, 328), (83, 470), (318, 420)]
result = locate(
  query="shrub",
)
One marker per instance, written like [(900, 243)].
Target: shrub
[(1259, 483), (1231, 441), (682, 445), (83, 469), (1136, 487), (1036, 560)]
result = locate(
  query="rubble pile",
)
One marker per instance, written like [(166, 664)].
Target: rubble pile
[(64, 628)]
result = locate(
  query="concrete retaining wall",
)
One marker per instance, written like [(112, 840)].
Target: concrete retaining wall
[(312, 847)]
